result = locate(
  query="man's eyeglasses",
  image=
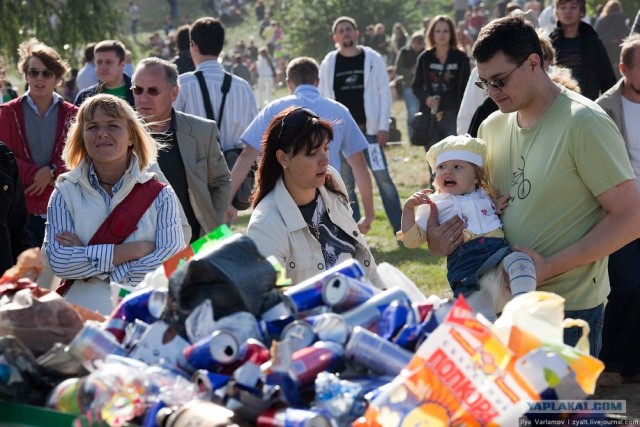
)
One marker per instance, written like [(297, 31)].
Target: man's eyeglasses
[(296, 117), (33, 73), (153, 91), (496, 83)]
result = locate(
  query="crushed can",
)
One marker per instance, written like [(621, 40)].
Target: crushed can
[(396, 315), (252, 351), (329, 327), (208, 382), (299, 333)]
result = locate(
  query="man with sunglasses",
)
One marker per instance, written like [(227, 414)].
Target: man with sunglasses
[(302, 81), (356, 76), (562, 167), (34, 126), (192, 161), (109, 58)]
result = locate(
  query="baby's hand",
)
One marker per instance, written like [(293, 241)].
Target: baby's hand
[(501, 203), (418, 198)]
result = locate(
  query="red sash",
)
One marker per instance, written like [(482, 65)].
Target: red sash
[(123, 220)]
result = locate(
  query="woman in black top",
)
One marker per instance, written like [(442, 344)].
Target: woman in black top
[(443, 70)]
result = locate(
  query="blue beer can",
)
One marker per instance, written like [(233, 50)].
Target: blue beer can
[(368, 313), (343, 292), (308, 293), (374, 352)]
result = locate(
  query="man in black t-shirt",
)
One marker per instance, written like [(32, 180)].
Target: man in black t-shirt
[(356, 76)]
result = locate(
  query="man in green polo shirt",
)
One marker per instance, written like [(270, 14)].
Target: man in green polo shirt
[(109, 58)]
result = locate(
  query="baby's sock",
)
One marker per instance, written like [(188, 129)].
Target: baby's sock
[(522, 273)]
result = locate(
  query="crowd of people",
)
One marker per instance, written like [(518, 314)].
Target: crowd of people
[(133, 163)]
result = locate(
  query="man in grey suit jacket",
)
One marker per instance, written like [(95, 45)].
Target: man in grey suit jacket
[(192, 160)]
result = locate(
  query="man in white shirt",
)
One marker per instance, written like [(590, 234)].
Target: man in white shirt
[(207, 38)]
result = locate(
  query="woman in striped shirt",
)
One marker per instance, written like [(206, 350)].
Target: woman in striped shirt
[(107, 152)]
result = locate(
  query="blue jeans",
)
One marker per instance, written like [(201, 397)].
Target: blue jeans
[(388, 191), (413, 105), (595, 318), (465, 262)]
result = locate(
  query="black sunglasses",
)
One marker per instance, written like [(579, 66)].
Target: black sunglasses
[(296, 117), (153, 91), (33, 73), (496, 83)]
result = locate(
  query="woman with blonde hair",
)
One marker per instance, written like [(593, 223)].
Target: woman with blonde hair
[(109, 217)]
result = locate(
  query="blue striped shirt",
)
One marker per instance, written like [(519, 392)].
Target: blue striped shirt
[(80, 262)]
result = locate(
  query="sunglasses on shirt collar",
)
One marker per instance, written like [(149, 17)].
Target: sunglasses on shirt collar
[(296, 117)]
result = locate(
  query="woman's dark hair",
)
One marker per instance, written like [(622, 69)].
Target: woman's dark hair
[(512, 35), (304, 138)]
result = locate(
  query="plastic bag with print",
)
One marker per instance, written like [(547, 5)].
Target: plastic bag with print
[(462, 375)]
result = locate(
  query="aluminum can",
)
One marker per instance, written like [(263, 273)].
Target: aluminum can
[(93, 343), (329, 327), (211, 352), (290, 417), (397, 314), (308, 362), (368, 313), (376, 353), (143, 305), (343, 292), (299, 333), (308, 293), (422, 310), (208, 382), (195, 413), (252, 351), (134, 331)]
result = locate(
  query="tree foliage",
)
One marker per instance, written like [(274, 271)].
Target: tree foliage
[(307, 23), (78, 22)]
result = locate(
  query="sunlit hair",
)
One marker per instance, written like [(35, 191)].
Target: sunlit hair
[(169, 68), (48, 55), (563, 77), (430, 38), (512, 35), (629, 46), (611, 7), (303, 139), (115, 46), (144, 147), (581, 5), (303, 70), (342, 19), (548, 51)]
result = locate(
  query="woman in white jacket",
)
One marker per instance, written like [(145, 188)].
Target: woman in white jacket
[(107, 152), (301, 211)]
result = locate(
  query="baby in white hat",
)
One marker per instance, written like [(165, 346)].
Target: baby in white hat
[(460, 182)]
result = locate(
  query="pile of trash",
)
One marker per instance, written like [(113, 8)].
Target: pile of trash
[(216, 336)]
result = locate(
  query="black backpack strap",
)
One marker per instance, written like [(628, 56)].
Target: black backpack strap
[(205, 95), (226, 85)]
